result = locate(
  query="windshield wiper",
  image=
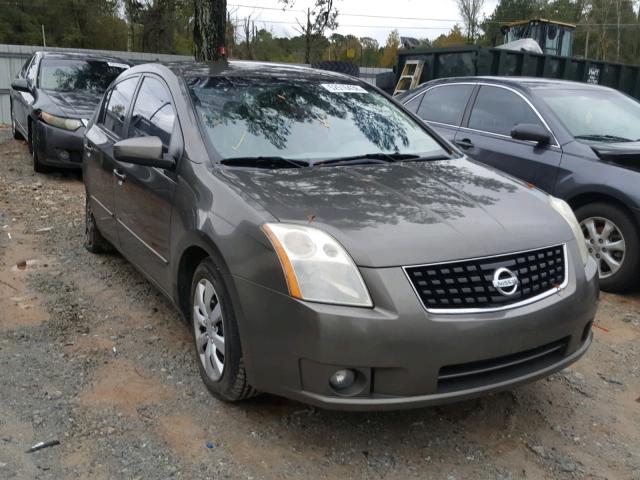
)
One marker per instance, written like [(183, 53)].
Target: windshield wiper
[(429, 158), (603, 138), (379, 158), (265, 162), (367, 158)]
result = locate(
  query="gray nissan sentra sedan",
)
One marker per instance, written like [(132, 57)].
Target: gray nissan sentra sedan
[(325, 245)]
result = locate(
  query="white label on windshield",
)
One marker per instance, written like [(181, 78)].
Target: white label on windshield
[(124, 66), (343, 88)]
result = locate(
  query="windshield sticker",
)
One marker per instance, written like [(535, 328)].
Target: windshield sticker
[(343, 88)]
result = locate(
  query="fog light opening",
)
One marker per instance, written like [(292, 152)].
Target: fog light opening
[(349, 382), (342, 379), (64, 155)]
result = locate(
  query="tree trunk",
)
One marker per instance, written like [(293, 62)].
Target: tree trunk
[(586, 44), (308, 38), (619, 12), (128, 8), (209, 30)]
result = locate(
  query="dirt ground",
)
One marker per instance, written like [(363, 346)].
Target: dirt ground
[(93, 356)]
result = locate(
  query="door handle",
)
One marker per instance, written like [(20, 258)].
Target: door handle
[(119, 175), (465, 143)]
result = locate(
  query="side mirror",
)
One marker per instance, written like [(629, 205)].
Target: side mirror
[(21, 85), (532, 133), (146, 151)]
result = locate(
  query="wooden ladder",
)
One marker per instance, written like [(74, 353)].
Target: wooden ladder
[(410, 77)]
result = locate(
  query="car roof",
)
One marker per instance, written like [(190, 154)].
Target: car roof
[(240, 68), (81, 56), (523, 83)]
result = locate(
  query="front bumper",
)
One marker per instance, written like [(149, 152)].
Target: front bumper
[(58, 147), (400, 351)]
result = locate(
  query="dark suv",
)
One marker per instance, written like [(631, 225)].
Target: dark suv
[(577, 141), (52, 99)]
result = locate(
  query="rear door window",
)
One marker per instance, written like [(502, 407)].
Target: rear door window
[(445, 104), (153, 114), (498, 110), (117, 105)]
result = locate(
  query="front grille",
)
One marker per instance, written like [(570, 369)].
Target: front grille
[(453, 378), (468, 284)]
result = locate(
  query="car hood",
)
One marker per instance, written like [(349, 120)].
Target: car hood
[(626, 154), (409, 213), (76, 104)]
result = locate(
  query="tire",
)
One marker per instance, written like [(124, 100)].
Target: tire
[(34, 146), (347, 68), (605, 225), (215, 329), (93, 239), (14, 131)]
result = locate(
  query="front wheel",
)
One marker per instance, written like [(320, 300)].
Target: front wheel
[(93, 239), (612, 240), (38, 167), (216, 337), (14, 131)]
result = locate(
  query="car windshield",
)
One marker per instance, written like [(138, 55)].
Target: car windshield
[(65, 75), (308, 121), (594, 114)]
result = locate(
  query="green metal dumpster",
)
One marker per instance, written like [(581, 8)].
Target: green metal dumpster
[(474, 60)]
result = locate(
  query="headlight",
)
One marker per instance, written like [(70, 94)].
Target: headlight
[(564, 209), (60, 122), (316, 266)]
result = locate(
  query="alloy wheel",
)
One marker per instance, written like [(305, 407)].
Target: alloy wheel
[(209, 329), (605, 244)]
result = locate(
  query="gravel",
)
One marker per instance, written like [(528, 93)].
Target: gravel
[(93, 356)]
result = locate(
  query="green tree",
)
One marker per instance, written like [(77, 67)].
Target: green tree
[(371, 52), (470, 11), (322, 16), (454, 38), (390, 51)]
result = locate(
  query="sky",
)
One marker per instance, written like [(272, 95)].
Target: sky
[(362, 18)]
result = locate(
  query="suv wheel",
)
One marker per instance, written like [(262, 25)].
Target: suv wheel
[(14, 131), (216, 337), (93, 239), (612, 240), (35, 151)]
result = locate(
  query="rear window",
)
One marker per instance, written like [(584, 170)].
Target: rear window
[(66, 75), (445, 104), (303, 119)]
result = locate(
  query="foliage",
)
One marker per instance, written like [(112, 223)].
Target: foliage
[(69, 23), (390, 52), (470, 12), (454, 38), (323, 15), (605, 29)]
